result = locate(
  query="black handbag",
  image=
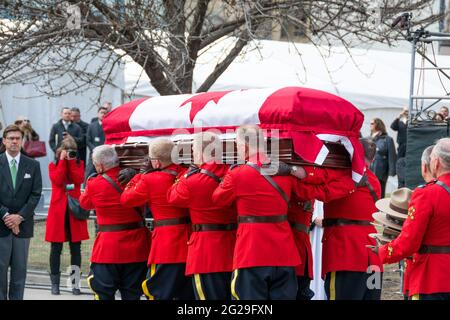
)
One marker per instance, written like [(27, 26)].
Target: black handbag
[(77, 211)]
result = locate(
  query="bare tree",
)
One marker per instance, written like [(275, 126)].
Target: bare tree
[(48, 39)]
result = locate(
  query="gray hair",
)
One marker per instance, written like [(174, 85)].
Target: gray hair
[(426, 155), (442, 151), (105, 155)]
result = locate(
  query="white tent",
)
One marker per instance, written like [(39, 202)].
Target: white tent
[(375, 81)]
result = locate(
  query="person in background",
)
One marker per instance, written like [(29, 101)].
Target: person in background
[(28, 132), (20, 191), (444, 112), (76, 118), (400, 124), (64, 127), (384, 164), (106, 105), (95, 137), (66, 176)]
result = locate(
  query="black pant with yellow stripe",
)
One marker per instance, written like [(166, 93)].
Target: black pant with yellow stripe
[(212, 286), (431, 296), (168, 282), (351, 285), (105, 279), (264, 283)]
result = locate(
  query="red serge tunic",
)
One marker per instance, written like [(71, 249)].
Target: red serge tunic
[(208, 251), (343, 247), (301, 212), (428, 223), (169, 243), (259, 244), (62, 173), (126, 246)]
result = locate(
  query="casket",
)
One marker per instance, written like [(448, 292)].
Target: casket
[(308, 126)]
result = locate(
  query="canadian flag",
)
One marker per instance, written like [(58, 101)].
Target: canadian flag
[(307, 116)]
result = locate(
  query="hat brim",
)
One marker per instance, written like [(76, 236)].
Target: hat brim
[(383, 205), (380, 237), (381, 217)]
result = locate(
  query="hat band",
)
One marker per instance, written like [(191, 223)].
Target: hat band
[(392, 219), (400, 210)]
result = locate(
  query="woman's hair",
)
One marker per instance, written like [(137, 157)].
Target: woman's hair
[(379, 125), (68, 143)]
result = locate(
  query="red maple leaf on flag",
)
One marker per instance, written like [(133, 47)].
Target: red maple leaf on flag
[(199, 101)]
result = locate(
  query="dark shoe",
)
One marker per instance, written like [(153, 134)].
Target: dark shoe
[(55, 283), (76, 292)]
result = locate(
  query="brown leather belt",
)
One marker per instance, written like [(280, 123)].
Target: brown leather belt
[(213, 227), (344, 222), (171, 222), (120, 227), (299, 226), (262, 219), (434, 249)]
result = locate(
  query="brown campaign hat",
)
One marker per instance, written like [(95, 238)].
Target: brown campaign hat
[(387, 236), (397, 205), (388, 221)]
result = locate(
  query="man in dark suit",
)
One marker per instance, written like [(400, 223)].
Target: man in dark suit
[(20, 192), (95, 137), (76, 118), (65, 127)]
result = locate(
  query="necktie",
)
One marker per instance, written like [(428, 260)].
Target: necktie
[(13, 172)]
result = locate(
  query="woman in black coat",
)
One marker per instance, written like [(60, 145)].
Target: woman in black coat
[(385, 159)]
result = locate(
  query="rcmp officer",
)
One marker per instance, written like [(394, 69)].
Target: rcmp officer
[(426, 232), (120, 252), (347, 263), (166, 278), (211, 245), (344, 264), (265, 255)]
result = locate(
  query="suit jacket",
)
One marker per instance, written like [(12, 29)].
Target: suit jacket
[(402, 129), (82, 147), (24, 198), (95, 136), (56, 134)]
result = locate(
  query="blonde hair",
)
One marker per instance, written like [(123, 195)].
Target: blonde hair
[(161, 149), (207, 143), (252, 136)]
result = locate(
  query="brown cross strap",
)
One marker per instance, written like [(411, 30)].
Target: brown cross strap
[(434, 249), (262, 219), (171, 222), (272, 183), (299, 226), (120, 227), (213, 227), (443, 185), (344, 222)]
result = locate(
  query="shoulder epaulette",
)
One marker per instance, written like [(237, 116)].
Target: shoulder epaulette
[(427, 184), (93, 175), (191, 171), (149, 171)]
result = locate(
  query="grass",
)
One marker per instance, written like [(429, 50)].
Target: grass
[(38, 258)]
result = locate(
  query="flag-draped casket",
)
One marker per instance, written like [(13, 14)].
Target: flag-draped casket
[(315, 126)]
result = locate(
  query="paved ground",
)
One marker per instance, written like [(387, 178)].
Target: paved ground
[(44, 294)]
